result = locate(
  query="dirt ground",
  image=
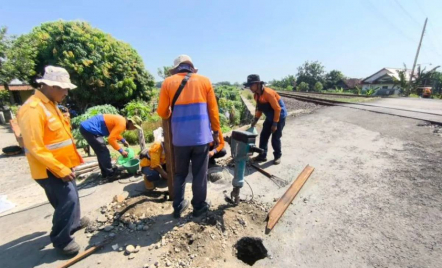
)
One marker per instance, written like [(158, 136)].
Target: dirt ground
[(372, 201)]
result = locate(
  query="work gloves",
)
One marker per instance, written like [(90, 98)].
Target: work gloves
[(255, 120)]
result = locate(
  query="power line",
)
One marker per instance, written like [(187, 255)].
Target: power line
[(407, 13)]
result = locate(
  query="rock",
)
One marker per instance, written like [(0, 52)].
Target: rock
[(98, 262), (140, 227), (168, 263), (89, 235), (103, 211), (120, 249), (102, 219), (112, 235), (132, 226), (146, 266), (130, 249), (131, 256), (137, 249), (157, 264), (177, 250), (145, 228), (108, 228), (91, 228), (239, 211), (115, 247), (121, 197)]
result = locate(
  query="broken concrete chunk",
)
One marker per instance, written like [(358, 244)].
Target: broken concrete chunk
[(121, 197), (108, 228), (102, 218), (137, 249), (130, 249), (115, 247)]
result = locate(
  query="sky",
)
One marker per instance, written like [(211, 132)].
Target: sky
[(229, 40)]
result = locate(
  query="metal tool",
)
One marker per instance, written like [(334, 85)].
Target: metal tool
[(242, 146), (277, 180)]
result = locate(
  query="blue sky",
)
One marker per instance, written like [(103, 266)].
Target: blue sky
[(230, 39)]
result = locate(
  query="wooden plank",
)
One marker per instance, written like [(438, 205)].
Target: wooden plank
[(84, 254), (284, 202), (170, 159)]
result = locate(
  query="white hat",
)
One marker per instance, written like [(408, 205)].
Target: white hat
[(182, 59), (56, 76)]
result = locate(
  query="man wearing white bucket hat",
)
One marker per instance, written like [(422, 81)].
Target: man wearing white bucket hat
[(51, 153)]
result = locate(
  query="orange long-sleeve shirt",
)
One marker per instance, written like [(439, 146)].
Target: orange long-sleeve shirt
[(116, 124), (196, 110), (268, 96), (47, 137)]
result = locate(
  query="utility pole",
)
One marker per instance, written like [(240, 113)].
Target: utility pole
[(417, 54)]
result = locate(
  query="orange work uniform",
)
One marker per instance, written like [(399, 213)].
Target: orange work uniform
[(47, 137)]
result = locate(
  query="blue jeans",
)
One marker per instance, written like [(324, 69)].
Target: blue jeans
[(63, 197), (276, 137)]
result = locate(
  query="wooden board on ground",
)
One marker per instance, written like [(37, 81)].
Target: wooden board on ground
[(170, 161), (284, 202)]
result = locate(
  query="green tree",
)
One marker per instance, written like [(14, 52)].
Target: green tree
[(104, 69), (303, 86), (310, 73), (286, 83), (318, 86), (223, 83), (164, 72), (332, 78), (6, 70)]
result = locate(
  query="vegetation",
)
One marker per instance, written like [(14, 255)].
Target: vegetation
[(318, 86), (332, 78), (231, 108), (106, 71), (287, 83), (421, 79), (4, 97), (164, 72), (310, 73), (303, 86)]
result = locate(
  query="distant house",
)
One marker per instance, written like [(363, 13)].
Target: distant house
[(383, 81), (349, 83), (20, 91)]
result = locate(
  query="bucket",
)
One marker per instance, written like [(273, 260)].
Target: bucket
[(132, 166), (130, 155)]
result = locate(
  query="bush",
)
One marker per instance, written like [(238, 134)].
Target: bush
[(131, 136), (303, 86), (148, 128), (138, 108), (318, 86)]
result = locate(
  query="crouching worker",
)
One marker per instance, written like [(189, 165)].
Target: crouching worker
[(51, 153), (94, 129), (217, 152), (153, 161)]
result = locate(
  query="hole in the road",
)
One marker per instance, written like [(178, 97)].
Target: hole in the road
[(250, 250)]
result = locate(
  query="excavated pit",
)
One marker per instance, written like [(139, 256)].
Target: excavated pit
[(250, 250)]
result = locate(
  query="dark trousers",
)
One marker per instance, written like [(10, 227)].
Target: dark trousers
[(276, 137), (63, 197), (199, 155), (103, 155), (219, 154)]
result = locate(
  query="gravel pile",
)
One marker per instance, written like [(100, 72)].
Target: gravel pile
[(293, 105)]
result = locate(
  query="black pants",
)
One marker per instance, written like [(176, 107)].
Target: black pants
[(219, 154), (199, 155), (276, 137), (63, 197), (103, 155)]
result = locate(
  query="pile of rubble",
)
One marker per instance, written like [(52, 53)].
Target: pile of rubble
[(189, 242)]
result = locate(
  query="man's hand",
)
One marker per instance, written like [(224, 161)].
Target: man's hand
[(126, 144), (211, 154), (69, 178), (255, 120), (216, 140), (274, 128), (124, 153)]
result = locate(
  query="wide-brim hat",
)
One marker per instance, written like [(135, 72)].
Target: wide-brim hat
[(252, 79), (182, 59), (136, 120), (56, 76)]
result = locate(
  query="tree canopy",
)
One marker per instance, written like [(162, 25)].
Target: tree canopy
[(332, 78), (288, 82), (310, 73), (105, 70)]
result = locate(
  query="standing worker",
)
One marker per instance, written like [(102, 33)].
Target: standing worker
[(273, 107), (188, 98), (51, 153), (94, 129)]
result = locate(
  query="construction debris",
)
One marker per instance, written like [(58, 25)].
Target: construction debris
[(121, 197)]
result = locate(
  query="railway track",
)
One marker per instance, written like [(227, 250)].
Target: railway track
[(431, 117)]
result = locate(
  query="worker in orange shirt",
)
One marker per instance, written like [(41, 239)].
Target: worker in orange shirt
[(153, 164), (270, 103), (51, 153), (217, 152), (107, 125), (189, 100)]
